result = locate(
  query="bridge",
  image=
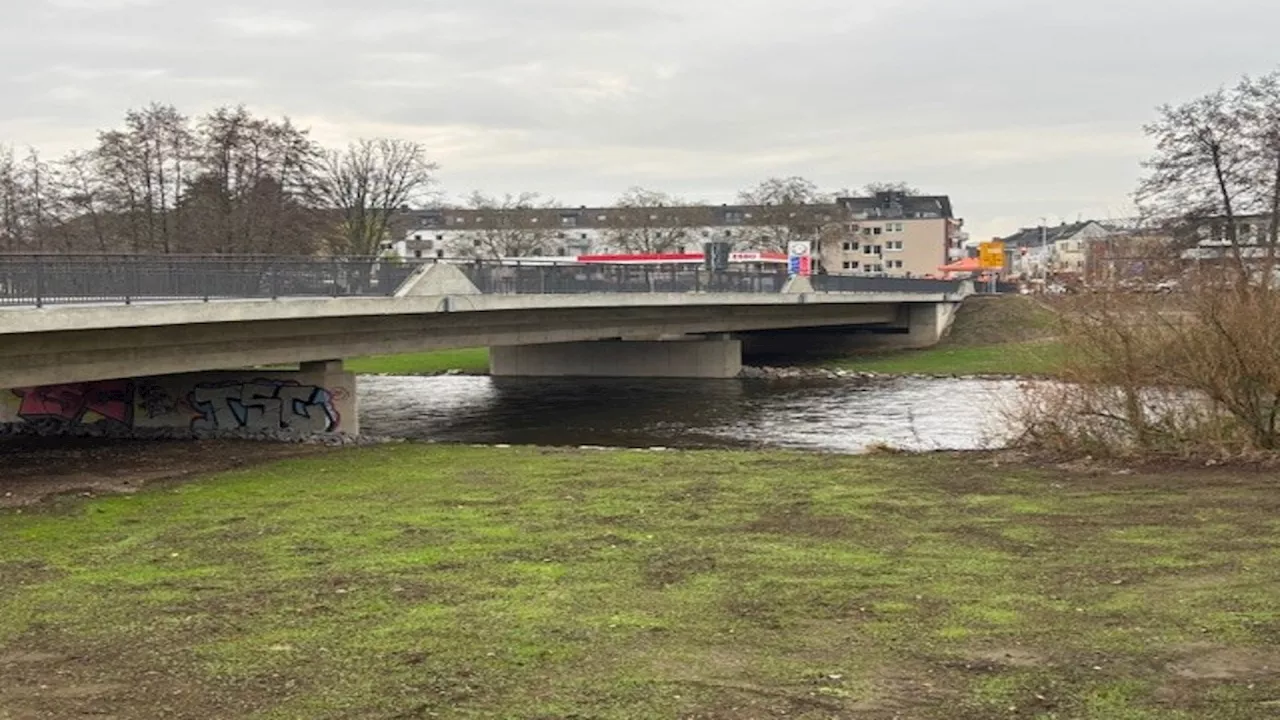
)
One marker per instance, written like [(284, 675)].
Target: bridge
[(153, 341)]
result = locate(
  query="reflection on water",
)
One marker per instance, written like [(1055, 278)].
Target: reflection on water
[(812, 415)]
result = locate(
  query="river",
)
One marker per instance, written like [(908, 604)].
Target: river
[(824, 415)]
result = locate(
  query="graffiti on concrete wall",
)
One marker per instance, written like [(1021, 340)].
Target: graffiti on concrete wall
[(264, 405), (220, 402), (78, 403)]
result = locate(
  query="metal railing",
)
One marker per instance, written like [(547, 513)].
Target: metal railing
[(59, 279), (857, 283), (559, 279), (38, 280)]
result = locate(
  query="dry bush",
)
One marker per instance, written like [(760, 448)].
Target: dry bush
[(1193, 373)]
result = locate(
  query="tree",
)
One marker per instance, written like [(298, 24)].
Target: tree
[(786, 210), (784, 191), (649, 221), (513, 226), (1200, 166), (256, 179), (367, 183), (143, 168), (872, 189)]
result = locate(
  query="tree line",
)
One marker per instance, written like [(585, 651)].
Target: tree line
[(225, 182), (231, 182)]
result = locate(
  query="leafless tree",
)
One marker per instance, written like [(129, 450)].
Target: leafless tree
[(649, 221), (871, 189), (367, 183), (791, 209), (509, 226), (144, 169), (257, 179)]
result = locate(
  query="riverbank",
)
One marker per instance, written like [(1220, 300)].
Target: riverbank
[(420, 581)]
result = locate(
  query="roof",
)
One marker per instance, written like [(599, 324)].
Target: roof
[(898, 205), (1034, 236)]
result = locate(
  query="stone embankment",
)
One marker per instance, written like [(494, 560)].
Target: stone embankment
[(820, 373)]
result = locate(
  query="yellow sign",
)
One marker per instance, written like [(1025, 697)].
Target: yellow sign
[(991, 255)]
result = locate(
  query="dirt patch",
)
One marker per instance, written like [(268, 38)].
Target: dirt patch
[(36, 469), (1228, 664), (1001, 659)]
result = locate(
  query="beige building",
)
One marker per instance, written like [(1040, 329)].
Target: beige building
[(895, 234)]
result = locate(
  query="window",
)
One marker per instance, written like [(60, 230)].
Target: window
[(417, 253), (584, 236), (569, 221), (733, 216), (873, 268), (850, 264), (475, 242), (560, 235), (850, 246), (728, 233), (868, 249), (893, 245), (653, 217), (876, 230), (440, 236), (866, 231), (894, 264), (601, 218)]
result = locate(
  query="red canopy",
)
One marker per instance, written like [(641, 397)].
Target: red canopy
[(970, 264)]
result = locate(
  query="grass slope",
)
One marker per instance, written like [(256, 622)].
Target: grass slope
[(1030, 358), (472, 360), (414, 582)]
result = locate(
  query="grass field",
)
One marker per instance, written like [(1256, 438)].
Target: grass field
[(449, 582), (1029, 358), (473, 360)]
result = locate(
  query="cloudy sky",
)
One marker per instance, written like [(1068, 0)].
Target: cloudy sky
[(1018, 109)]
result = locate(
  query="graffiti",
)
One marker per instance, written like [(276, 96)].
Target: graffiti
[(77, 403), (264, 405), (156, 401)]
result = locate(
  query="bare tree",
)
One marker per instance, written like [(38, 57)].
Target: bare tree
[(649, 221), (1200, 167), (256, 179), (367, 183), (871, 189), (144, 169), (784, 191), (510, 226)]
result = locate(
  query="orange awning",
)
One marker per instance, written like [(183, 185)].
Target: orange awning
[(971, 264)]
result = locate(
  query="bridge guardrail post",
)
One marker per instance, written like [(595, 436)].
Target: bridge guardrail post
[(39, 281)]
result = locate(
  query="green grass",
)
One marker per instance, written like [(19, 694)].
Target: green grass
[(472, 360), (1032, 358), (415, 581)]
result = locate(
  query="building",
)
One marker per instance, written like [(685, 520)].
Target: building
[(889, 234), (1052, 250), (893, 233)]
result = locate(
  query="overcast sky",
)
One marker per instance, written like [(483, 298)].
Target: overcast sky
[(1018, 109)]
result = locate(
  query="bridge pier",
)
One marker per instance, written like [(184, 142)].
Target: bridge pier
[(317, 399), (697, 357)]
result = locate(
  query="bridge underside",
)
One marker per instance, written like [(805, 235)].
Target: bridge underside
[(85, 355)]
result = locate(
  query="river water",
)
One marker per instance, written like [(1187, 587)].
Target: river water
[(825, 415)]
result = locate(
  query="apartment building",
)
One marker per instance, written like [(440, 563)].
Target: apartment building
[(893, 233), (889, 234)]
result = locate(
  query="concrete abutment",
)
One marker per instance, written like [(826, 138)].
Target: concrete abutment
[(318, 399)]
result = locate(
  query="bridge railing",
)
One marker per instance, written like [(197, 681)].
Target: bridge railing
[(561, 279), (38, 280), (58, 279), (858, 283)]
